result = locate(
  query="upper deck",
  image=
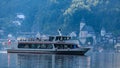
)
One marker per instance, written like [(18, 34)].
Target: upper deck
[(47, 40)]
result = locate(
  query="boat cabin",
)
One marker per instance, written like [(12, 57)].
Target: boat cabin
[(48, 46)]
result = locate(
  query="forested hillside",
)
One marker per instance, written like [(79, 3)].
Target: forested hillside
[(46, 16)]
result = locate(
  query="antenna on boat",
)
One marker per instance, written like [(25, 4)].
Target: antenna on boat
[(59, 31)]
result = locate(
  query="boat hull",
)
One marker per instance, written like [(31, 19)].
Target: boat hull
[(81, 51)]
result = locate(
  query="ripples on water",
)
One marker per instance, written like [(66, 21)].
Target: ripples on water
[(95, 60), (105, 60), (51, 61)]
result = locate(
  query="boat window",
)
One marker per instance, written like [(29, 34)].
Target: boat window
[(26, 46), (21, 45), (33, 46), (64, 38), (59, 46), (49, 46), (57, 38), (75, 46), (72, 46), (45, 46), (65, 46), (51, 38), (36, 46), (40, 46)]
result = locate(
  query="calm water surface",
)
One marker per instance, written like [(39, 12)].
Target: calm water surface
[(93, 60)]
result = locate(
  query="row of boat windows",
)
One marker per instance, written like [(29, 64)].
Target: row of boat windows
[(47, 46), (50, 39), (65, 46), (59, 38), (36, 46)]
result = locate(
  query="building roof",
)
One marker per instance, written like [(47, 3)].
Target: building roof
[(88, 28)]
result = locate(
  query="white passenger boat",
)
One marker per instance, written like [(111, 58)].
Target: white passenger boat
[(50, 45)]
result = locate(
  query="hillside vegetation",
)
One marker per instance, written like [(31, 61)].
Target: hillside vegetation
[(46, 16)]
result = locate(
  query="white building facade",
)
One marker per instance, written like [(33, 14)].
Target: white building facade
[(86, 32)]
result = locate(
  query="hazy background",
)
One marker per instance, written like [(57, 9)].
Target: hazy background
[(46, 16)]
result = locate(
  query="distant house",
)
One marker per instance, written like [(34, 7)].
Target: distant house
[(86, 33), (107, 37), (103, 32)]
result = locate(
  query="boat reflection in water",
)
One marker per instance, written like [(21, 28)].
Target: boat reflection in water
[(52, 61)]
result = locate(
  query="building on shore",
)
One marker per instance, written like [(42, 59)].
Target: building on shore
[(87, 34)]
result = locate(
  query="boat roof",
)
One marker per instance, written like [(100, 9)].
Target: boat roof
[(59, 36)]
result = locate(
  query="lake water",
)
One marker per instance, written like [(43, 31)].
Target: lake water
[(91, 60)]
